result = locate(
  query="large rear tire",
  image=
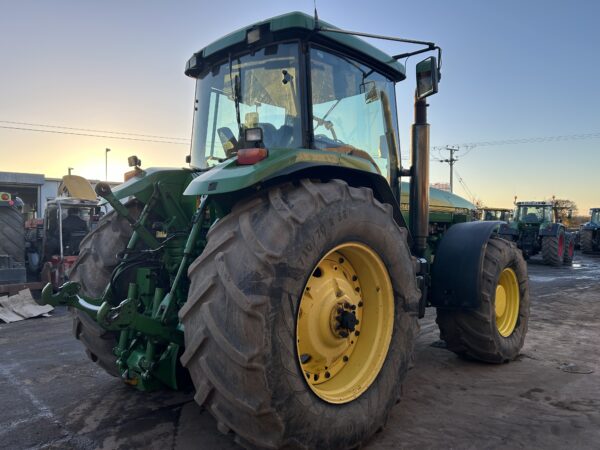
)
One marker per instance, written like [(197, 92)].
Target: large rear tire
[(553, 248), (12, 234), (587, 241), (569, 249), (93, 268), (245, 309), (495, 331)]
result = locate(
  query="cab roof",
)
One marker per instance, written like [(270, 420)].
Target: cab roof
[(298, 25), (534, 204)]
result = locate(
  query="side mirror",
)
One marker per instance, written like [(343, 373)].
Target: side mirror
[(427, 77)]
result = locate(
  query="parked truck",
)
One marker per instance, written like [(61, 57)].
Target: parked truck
[(282, 271)]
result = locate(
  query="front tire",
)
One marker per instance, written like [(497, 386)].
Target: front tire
[(587, 241), (495, 331), (241, 319)]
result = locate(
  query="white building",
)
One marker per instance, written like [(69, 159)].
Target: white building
[(34, 189)]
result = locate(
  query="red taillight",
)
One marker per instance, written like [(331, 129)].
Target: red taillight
[(4, 197), (249, 156)]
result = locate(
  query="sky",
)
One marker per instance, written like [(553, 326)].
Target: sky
[(511, 70)]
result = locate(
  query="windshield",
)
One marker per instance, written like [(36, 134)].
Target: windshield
[(353, 108), (596, 216), (534, 213), (258, 90)]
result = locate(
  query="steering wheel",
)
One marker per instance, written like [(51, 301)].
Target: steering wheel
[(328, 124)]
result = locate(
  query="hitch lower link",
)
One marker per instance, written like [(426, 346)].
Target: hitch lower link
[(112, 318)]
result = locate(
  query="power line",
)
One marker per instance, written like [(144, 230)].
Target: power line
[(533, 140), (464, 185), (92, 130), (93, 135)]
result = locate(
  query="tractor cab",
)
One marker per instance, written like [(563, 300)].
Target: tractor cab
[(595, 216), (534, 213), (490, 214), (274, 92)]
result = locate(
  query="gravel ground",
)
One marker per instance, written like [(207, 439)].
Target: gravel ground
[(53, 397)]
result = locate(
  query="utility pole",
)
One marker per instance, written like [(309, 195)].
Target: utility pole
[(106, 164), (69, 169), (451, 161)]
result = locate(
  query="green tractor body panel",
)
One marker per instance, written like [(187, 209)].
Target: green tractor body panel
[(229, 176), (444, 206)]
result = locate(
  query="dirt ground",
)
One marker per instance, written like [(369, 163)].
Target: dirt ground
[(52, 396)]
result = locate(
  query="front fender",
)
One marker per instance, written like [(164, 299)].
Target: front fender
[(230, 177), (456, 270)]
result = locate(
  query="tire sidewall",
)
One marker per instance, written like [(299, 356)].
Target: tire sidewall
[(336, 224)]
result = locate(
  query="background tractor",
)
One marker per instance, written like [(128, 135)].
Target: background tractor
[(491, 214), (284, 271), (53, 242), (536, 228), (589, 233)]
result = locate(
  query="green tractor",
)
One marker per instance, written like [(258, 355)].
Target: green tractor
[(491, 214), (536, 228), (282, 272), (589, 233)]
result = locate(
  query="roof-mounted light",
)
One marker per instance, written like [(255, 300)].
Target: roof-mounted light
[(253, 36)]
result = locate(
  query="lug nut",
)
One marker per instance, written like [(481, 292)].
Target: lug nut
[(327, 374), (345, 358), (357, 333), (352, 307), (360, 304)]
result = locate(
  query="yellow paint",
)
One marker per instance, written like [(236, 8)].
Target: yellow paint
[(507, 302), (350, 279)]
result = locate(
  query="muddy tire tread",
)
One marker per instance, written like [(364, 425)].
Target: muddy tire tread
[(221, 351), (12, 234)]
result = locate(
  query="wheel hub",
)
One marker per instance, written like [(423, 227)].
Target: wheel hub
[(344, 323), (507, 302)]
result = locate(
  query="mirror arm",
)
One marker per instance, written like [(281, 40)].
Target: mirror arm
[(430, 48)]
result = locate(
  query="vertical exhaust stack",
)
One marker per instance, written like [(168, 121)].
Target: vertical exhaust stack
[(419, 186)]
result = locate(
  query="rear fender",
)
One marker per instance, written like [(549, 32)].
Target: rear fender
[(554, 230), (456, 270)]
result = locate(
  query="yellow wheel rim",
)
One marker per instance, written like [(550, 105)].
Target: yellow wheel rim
[(507, 302), (344, 322)]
